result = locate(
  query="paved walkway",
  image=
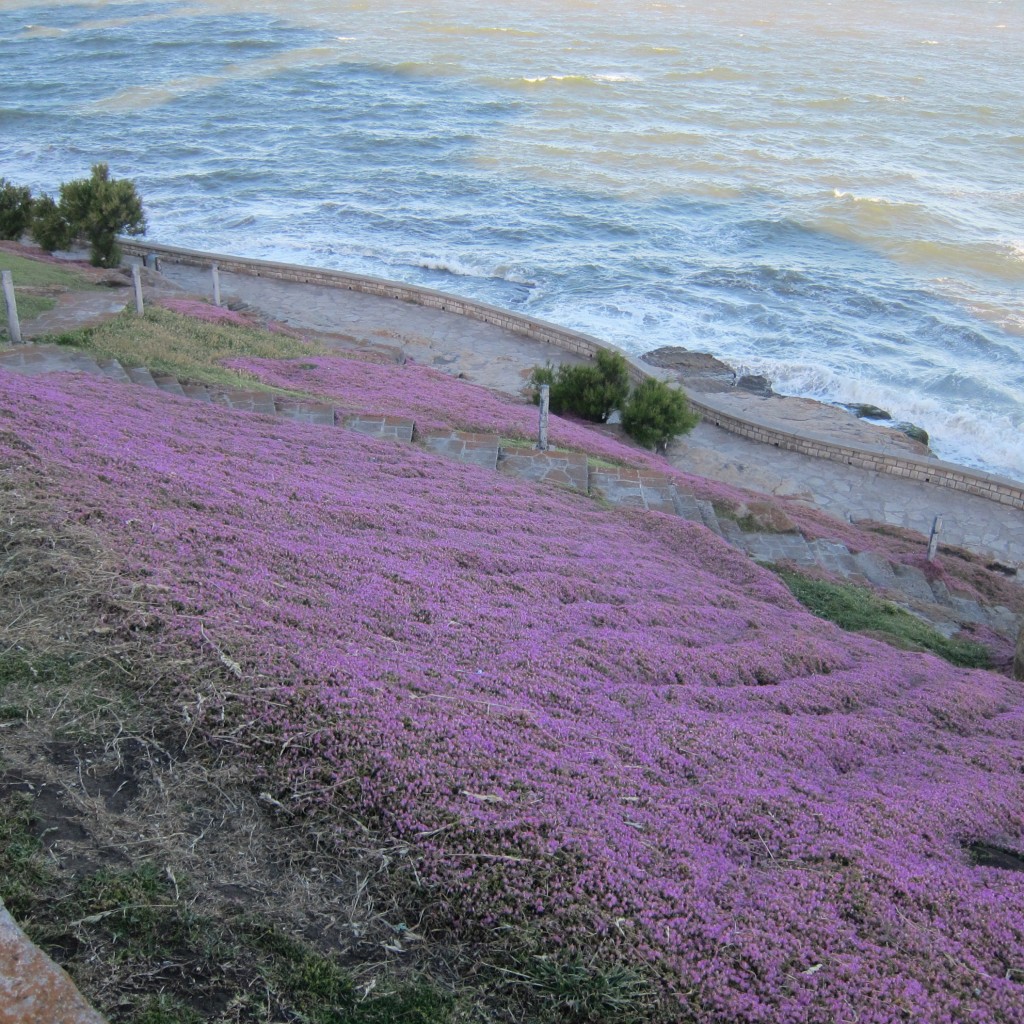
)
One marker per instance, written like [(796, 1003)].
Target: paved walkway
[(500, 359)]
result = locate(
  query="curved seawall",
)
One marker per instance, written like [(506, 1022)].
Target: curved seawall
[(943, 474)]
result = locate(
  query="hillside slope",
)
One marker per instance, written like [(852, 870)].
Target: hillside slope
[(594, 735)]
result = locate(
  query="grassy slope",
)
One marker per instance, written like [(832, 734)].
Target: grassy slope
[(188, 347), (618, 745)]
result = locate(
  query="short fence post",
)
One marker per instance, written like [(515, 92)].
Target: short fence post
[(137, 285), (933, 540), (216, 283), (13, 323), (545, 397)]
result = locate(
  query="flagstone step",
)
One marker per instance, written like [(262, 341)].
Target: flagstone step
[(708, 517), (306, 412), (113, 370), (140, 375), (392, 428), (686, 506), (197, 392), (168, 384), (245, 401), (913, 582), (566, 469), (476, 449), (634, 488)]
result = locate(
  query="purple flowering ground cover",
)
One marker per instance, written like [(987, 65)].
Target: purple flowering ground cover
[(435, 399), (595, 732)]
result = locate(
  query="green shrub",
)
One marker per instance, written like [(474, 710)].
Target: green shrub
[(541, 375), (655, 413), (50, 227), (96, 209), (100, 208), (15, 209), (591, 391)]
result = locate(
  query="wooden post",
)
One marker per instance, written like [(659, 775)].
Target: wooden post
[(13, 323), (933, 540), (216, 283), (137, 285), (545, 398)]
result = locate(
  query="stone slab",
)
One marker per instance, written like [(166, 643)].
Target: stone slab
[(33, 989), (566, 469)]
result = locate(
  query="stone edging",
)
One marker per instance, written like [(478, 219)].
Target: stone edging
[(934, 471)]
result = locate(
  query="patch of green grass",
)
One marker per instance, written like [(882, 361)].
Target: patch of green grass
[(861, 611), (187, 348), (29, 307), (164, 1009), (37, 274), (323, 993), (24, 874), (576, 992), (29, 684)]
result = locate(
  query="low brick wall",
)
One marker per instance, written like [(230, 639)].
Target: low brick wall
[(943, 474)]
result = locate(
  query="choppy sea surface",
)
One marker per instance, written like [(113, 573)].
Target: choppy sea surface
[(828, 193)]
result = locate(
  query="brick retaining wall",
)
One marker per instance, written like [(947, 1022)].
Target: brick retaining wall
[(943, 474)]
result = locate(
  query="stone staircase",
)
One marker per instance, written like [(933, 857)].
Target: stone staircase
[(617, 485)]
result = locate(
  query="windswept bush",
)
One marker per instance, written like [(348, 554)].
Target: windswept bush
[(50, 227), (590, 391), (97, 209), (655, 413), (15, 209)]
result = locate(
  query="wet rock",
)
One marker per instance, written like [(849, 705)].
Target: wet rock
[(757, 384), (915, 433), (865, 411), (701, 371)]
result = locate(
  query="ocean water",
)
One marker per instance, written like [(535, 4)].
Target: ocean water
[(828, 193)]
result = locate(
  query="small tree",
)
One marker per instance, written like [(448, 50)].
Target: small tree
[(590, 391), (15, 209), (100, 208), (50, 228), (655, 413)]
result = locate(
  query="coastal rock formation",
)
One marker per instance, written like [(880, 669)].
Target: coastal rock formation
[(751, 396)]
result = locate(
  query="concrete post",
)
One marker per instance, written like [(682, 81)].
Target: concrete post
[(13, 323), (545, 398), (137, 285), (933, 540), (216, 283)]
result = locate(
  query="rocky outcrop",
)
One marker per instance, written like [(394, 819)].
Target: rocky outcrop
[(32, 987)]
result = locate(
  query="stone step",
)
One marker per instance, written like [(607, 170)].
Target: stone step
[(305, 412), (566, 469), (708, 517), (197, 392), (686, 506), (618, 485), (168, 384), (475, 449), (913, 582), (113, 370), (876, 569), (392, 428), (732, 533), (834, 557), (779, 547), (140, 375), (245, 401)]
